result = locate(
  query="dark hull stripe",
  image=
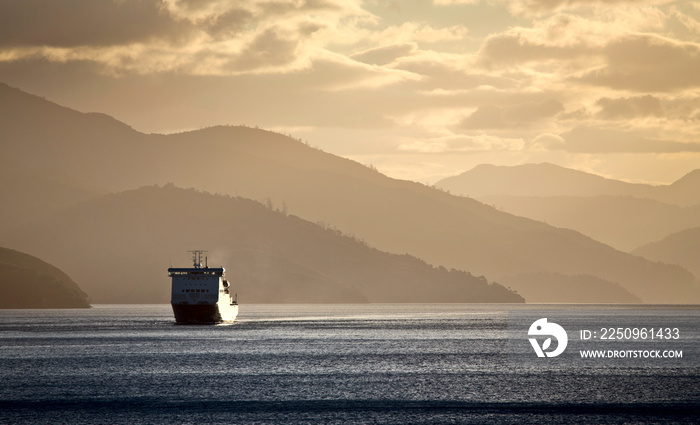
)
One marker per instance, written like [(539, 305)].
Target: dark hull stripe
[(201, 313)]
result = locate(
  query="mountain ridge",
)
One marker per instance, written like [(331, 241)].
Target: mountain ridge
[(270, 256), (623, 215), (682, 247), (392, 215), (29, 282), (546, 179), (624, 222)]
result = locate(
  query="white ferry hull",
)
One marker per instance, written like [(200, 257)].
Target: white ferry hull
[(201, 294)]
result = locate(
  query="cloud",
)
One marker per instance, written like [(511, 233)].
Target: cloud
[(547, 141), (648, 63), (630, 107), (212, 37), (567, 40), (71, 23), (442, 76), (268, 49), (516, 48), (213, 11), (521, 115), (386, 54), (597, 139), (452, 2), (691, 24), (534, 7), (445, 74), (463, 144), (683, 108)]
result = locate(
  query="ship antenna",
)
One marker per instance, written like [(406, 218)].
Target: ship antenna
[(197, 257)]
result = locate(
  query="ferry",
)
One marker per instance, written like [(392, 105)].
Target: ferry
[(201, 294)]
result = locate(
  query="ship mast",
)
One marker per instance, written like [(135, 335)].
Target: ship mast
[(197, 258)]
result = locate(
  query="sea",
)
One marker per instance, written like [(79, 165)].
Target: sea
[(350, 363)]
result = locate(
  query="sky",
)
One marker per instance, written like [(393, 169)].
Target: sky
[(419, 89)]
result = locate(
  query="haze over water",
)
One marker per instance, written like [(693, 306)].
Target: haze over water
[(388, 363)]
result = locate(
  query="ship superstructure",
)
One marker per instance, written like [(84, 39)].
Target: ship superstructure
[(201, 294)]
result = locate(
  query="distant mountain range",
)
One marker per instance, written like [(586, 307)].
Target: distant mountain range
[(94, 154), (28, 282), (120, 246), (681, 248), (544, 180), (624, 222), (620, 214), (585, 289)]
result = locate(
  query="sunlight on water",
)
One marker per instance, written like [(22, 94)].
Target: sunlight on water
[(390, 363)]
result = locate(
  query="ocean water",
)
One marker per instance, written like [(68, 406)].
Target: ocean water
[(387, 363)]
